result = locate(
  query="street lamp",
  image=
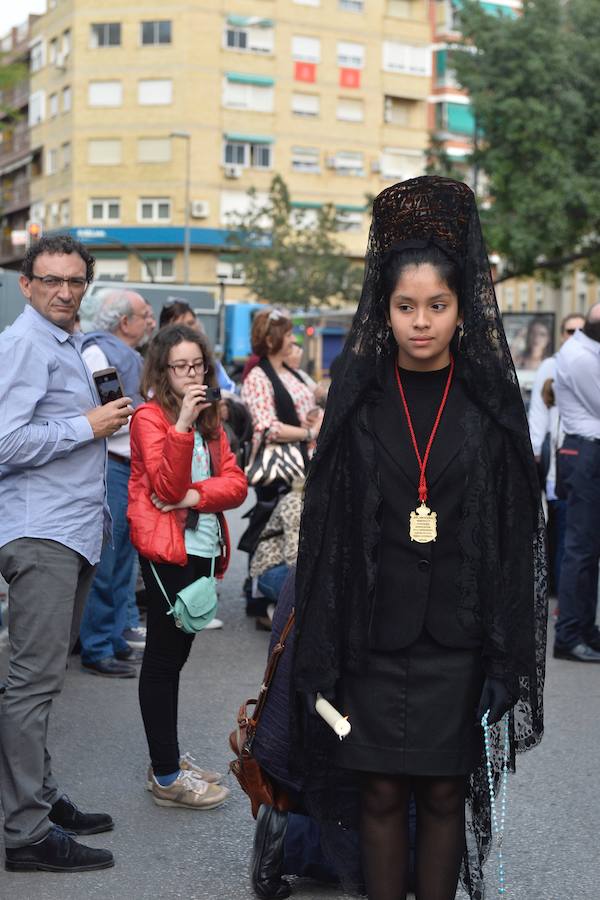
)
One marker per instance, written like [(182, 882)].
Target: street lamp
[(186, 136)]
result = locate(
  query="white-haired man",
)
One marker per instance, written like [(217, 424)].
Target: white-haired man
[(122, 325)]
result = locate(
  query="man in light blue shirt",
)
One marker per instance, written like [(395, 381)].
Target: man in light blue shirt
[(54, 515), (577, 388)]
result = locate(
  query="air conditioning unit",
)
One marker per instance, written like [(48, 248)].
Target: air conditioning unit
[(199, 209), (330, 162), (375, 166), (233, 171)]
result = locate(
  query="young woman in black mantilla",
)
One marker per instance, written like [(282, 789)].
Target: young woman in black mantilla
[(421, 575)]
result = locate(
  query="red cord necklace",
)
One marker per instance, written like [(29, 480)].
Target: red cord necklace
[(423, 522)]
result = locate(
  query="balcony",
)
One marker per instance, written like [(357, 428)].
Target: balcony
[(13, 198), (15, 98), (9, 254), (15, 146)]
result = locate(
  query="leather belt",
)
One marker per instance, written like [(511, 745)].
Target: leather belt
[(581, 437), (120, 459)]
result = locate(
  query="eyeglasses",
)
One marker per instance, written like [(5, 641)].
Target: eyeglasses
[(183, 369), (53, 282)]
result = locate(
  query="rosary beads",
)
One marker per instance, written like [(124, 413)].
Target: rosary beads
[(497, 824)]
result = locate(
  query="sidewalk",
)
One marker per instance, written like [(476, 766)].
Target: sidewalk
[(99, 753)]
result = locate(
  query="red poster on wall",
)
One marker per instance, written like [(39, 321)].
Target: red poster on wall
[(350, 78), (305, 71)]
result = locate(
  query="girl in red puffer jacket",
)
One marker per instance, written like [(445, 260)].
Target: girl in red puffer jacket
[(183, 476)]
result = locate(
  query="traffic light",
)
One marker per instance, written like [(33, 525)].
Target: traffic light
[(34, 232)]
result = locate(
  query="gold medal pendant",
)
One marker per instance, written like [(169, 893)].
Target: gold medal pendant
[(423, 525)]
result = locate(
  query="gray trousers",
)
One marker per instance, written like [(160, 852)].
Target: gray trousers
[(48, 585)]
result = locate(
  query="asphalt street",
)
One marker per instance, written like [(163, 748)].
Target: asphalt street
[(100, 757)]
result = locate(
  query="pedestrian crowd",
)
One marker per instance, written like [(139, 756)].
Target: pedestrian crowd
[(395, 545)]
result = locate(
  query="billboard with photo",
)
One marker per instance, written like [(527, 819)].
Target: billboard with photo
[(531, 340)]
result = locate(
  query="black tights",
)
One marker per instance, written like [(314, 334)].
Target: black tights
[(167, 649), (440, 806)]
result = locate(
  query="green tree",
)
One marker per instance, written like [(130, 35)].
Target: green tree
[(11, 73), (289, 259), (533, 82)]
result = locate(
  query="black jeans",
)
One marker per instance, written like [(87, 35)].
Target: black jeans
[(167, 649)]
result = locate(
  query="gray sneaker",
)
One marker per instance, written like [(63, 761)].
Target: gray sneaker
[(189, 792), (187, 763)]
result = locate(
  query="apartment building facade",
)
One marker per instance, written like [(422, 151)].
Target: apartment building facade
[(330, 94)]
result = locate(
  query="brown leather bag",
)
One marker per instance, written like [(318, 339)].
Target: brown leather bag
[(252, 779)]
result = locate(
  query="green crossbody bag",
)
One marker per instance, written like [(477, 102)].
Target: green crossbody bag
[(196, 604)]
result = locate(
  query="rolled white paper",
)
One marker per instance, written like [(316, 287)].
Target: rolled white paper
[(334, 719)]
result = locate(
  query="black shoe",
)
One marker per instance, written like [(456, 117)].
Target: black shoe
[(131, 655), (73, 821), (578, 653), (57, 852), (266, 866), (109, 667), (594, 643), (2, 687)]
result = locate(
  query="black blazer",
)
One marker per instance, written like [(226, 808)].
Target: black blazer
[(417, 585)]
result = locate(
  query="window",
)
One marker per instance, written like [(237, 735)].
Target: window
[(348, 220), (348, 163), (397, 110), (247, 153), (105, 93), (257, 39), (37, 108), (155, 92), (66, 99), (455, 117), (350, 56), (104, 209), (154, 150), (162, 267), (350, 110), (53, 105), (399, 9), (66, 155), (154, 209), (305, 159), (52, 51), (308, 2), (65, 212), (37, 56), (105, 34), (356, 6), (305, 104), (239, 203), (230, 271), (306, 49), (51, 161), (401, 164), (111, 269), (158, 32), (257, 97), (406, 58), (66, 42), (104, 152), (53, 213)]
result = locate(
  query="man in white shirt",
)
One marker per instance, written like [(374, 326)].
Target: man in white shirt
[(577, 388), (122, 323), (544, 421)]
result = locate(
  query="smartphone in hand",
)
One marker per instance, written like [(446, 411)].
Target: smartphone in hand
[(213, 395), (108, 384)]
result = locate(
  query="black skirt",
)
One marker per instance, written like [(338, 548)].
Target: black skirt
[(414, 711)]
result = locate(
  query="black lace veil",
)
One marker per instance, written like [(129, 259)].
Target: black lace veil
[(414, 213)]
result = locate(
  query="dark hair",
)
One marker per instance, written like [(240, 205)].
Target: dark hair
[(155, 381), (573, 315), (529, 336), (270, 325), (396, 261), (172, 310), (53, 244)]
